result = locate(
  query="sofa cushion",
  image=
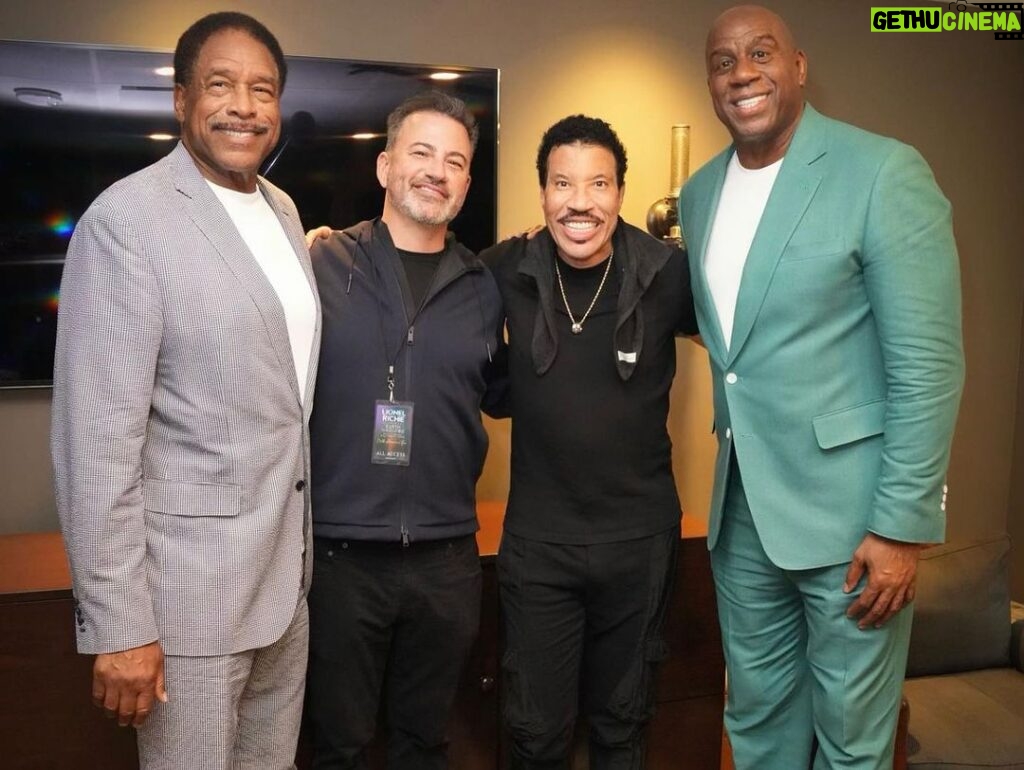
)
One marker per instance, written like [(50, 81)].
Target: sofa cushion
[(971, 720), (962, 608)]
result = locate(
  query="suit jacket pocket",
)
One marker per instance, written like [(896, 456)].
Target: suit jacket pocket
[(799, 252), (188, 498), (853, 423)]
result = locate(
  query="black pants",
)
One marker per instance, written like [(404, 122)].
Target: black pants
[(384, 618), (583, 630)]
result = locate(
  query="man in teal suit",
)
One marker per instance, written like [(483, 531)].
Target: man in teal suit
[(826, 284)]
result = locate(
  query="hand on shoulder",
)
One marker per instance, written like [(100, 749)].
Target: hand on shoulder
[(323, 232)]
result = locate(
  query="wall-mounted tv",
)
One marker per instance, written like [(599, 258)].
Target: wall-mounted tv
[(74, 119)]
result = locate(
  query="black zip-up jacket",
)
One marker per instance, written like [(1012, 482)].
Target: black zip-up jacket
[(448, 359)]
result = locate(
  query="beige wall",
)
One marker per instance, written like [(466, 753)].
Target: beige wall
[(1015, 522), (956, 96)]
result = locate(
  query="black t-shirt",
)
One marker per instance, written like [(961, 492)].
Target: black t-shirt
[(591, 454), (419, 275), (581, 284)]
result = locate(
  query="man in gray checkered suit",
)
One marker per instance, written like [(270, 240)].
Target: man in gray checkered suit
[(187, 345)]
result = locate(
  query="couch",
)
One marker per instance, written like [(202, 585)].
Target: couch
[(965, 671)]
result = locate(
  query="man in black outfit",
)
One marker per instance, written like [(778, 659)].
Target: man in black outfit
[(411, 326), (593, 306)]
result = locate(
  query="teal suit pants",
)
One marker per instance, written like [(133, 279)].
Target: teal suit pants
[(807, 688)]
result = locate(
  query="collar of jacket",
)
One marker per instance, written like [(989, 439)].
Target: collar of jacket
[(639, 258), (373, 239)]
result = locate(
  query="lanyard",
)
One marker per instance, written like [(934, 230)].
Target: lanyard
[(410, 328)]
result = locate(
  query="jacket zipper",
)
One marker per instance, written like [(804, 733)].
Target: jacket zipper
[(410, 338)]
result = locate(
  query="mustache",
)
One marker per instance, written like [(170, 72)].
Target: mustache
[(586, 214), (433, 181), (255, 128)]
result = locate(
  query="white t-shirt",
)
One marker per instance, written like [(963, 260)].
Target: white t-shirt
[(262, 232), (744, 195)]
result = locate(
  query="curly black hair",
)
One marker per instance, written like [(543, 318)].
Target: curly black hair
[(186, 53), (582, 130)]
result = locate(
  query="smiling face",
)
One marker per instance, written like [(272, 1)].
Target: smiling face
[(581, 201), (426, 170), (756, 77), (230, 111)]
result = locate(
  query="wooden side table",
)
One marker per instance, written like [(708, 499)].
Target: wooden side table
[(47, 719)]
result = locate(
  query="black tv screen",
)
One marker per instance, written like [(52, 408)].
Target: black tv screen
[(74, 119)]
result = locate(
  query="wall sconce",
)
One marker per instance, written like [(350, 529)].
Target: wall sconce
[(663, 215)]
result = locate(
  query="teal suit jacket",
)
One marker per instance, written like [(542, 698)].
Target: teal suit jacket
[(839, 389)]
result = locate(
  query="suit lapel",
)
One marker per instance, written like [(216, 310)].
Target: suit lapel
[(697, 243), (794, 188), (207, 213)]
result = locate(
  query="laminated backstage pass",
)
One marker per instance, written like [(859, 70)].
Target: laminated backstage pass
[(392, 433)]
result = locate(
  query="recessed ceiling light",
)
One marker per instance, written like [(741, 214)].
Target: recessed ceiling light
[(161, 137), (164, 71), (444, 76), (366, 135), (38, 97)]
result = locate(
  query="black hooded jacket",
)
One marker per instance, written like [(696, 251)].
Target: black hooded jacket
[(448, 361)]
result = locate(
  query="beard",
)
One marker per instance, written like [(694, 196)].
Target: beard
[(422, 211)]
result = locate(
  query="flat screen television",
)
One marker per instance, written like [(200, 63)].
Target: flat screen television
[(75, 118)]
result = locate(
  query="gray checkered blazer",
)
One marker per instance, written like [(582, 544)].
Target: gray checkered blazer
[(180, 446)]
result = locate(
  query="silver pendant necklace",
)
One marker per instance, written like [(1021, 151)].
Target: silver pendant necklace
[(577, 326)]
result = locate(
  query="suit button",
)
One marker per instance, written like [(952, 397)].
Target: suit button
[(300, 485), (731, 378), (728, 432)]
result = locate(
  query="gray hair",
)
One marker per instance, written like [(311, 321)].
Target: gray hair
[(432, 101)]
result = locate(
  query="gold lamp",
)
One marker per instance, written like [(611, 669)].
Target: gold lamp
[(663, 215)]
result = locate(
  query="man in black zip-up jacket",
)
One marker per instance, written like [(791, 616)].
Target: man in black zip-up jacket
[(412, 350)]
